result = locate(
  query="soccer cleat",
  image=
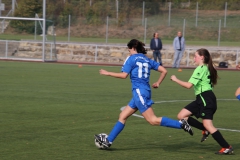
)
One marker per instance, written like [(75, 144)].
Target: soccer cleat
[(205, 135), (186, 127), (98, 138), (105, 142), (225, 151)]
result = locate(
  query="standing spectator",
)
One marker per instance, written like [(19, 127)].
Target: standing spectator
[(156, 46), (179, 47)]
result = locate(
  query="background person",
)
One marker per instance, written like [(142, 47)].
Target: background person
[(203, 79), (156, 46), (179, 47)]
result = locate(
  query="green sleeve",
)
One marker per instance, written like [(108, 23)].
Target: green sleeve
[(196, 76)]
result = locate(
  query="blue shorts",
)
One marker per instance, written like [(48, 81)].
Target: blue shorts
[(141, 100)]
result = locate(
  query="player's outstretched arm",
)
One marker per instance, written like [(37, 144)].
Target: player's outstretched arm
[(122, 75), (187, 85), (237, 93), (163, 73)]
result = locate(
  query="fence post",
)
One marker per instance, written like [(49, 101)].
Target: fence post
[(96, 49), (107, 31), (2, 26), (54, 42), (184, 25), (169, 14), (219, 32), (237, 57), (35, 33), (6, 51), (143, 12), (225, 15), (196, 15), (0, 7), (145, 30), (117, 10), (13, 6), (44, 30), (69, 24)]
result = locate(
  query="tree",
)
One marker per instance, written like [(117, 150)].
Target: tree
[(28, 9)]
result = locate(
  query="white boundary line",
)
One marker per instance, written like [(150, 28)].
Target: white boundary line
[(232, 130), (172, 101), (136, 115)]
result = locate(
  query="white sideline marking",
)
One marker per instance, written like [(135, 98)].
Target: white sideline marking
[(232, 130), (136, 115), (192, 100), (224, 129)]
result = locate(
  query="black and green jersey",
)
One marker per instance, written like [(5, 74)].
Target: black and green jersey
[(201, 79)]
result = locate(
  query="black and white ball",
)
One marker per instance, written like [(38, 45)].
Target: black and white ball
[(103, 138)]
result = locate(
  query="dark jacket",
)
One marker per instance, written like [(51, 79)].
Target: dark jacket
[(153, 44)]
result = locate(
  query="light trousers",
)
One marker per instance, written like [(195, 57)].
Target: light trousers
[(177, 58)]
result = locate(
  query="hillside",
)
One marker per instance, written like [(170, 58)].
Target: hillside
[(89, 20)]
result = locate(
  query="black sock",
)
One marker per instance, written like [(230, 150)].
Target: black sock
[(195, 123), (219, 138)]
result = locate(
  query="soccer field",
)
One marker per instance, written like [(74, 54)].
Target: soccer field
[(52, 111)]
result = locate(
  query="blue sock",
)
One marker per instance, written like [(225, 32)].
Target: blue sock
[(167, 122), (115, 131), (238, 97)]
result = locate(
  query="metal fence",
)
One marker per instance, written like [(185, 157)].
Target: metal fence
[(100, 53), (27, 50), (115, 21), (119, 21)]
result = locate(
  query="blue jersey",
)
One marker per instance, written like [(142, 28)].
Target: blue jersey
[(139, 67)]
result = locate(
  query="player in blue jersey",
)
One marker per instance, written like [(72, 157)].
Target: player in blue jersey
[(139, 66), (203, 79)]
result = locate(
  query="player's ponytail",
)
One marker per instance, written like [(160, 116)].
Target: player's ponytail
[(138, 45), (209, 62)]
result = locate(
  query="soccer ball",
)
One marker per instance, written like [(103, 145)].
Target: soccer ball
[(103, 138)]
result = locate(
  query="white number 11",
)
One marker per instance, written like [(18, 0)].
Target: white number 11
[(140, 69)]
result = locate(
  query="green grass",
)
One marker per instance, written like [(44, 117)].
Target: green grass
[(51, 111)]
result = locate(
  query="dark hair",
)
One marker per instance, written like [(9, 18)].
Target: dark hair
[(208, 60), (154, 34), (138, 45)]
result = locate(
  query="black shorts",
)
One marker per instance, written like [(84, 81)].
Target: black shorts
[(203, 110)]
